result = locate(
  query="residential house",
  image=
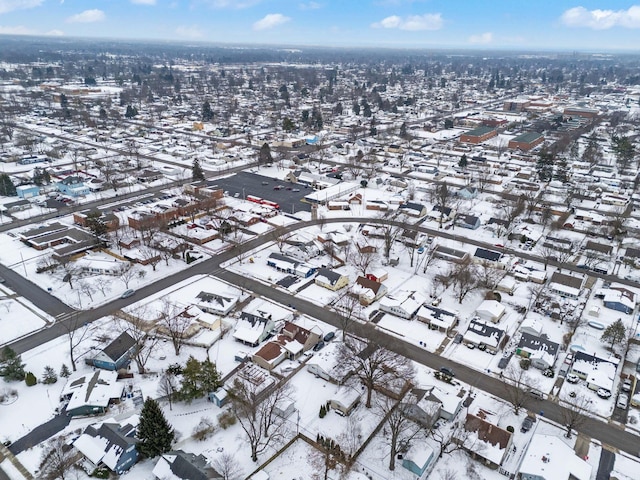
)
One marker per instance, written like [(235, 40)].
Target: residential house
[(91, 393), (215, 303), (540, 350), (344, 400), (566, 285), (485, 441), (331, 279), (548, 457), (220, 397), (484, 255), (491, 310), (16, 206), (467, 193), (450, 254), (419, 458), (110, 220), (117, 354), (438, 213), (270, 355), (367, 290), (27, 191), (325, 364), (450, 404), (470, 222), (180, 465), (413, 209), (110, 444), (479, 333), (605, 250), (596, 371), (438, 318), (148, 175), (253, 329), (421, 407), (72, 186), (617, 298), (404, 303), (282, 263), (377, 275)]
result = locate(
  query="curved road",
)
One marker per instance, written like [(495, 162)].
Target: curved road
[(609, 434)]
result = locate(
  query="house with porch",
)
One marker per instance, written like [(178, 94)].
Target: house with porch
[(484, 440), (91, 393), (367, 290), (540, 350), (110, 444), (117, 354), (404, 303), (331, 279), (73, 186)]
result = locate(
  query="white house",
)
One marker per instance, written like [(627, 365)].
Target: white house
[(548, 457), (403, 303), (491, 310)]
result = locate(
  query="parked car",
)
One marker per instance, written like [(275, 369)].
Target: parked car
[(603, 393), (447, 371), (623, 401), (457, 338), (527, 423), (548, 372), (626, 385), (538, 395), (329, 336), (318, 346), (573, 378), (265, 183), (128, 293)]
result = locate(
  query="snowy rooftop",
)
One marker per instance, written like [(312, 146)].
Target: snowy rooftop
[(549, 458)]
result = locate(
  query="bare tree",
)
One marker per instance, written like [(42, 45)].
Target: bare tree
[(450, 440), (76, 334), (127, 273), (489, 274), (142, 333), (255, 409), (175, 323), (400, 429), (323, 460), (351, 437), (532, 200), (168, 387), (348, 308), (389, 234), (363, 259), (373, 365), (575, 412), (103, 284), (228, 466), (512, 209), (517, 383), (464, 279), (58, 459), (87, 289), (442, 197), (151, 256)]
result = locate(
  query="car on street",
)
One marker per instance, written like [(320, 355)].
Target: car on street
[(457, 338), (527, 423), (573, 378), (329, 336), (295, 190), (447, 371), (128, 293), (603, 393), (1, 280), (265, 183)]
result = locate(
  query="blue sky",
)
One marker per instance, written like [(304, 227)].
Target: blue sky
[(481, 24)]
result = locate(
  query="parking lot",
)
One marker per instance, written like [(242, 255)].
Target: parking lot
[(247, 183)]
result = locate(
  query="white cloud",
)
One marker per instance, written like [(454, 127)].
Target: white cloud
[(55, 33), (602, 19), (428, 21), (232, 3), (190, 31), (144, 2), (88, 16), (11, 5), (310, 6), (481, 39), (270, 20), (22, 30)]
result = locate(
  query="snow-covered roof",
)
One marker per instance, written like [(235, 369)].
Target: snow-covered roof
[(549, 458), (94, 389), (490, 310)]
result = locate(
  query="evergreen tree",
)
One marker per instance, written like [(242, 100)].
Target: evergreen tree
[(403, 130), (131, 112), (207, 113), (49, 376), (544, 166), (155, 433), (64, 371), (7, 188), (463, 161), (96, 224), (190, 388), (11, 366), (614, 333), (30, 379), (196, 170), (209, 377), (561, 172), (265, 154)]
